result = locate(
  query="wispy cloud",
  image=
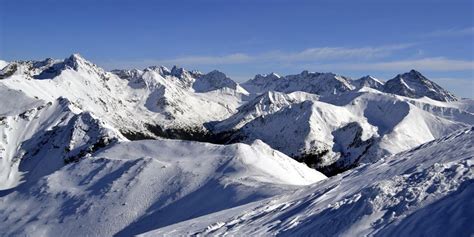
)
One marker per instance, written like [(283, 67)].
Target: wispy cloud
[(309, 54), (428, 64), (209, 60), (320, 54), (322, 58), (451, 32)]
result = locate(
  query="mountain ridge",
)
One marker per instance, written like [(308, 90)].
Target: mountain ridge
[(175, 103)]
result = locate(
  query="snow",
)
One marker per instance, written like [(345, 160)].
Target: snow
[(133, 187), (69, 167), (155, 95), (369, 81), (215, 80), (311, 124), (22, 101), (312, 82), (3, 64), (421, 192), (39, 140)]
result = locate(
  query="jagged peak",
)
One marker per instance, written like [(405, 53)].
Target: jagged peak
[(76, 61), (413, 75), (413, 71), (162, 70), (212, 81), (76, 56), (127, 73), (271, 75), (370, 78), (216, 74), (413, 84), (306, 73), (178, 71)]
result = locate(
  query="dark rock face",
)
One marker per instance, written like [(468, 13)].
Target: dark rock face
[(413, 84), (368, 81), (213, 81)]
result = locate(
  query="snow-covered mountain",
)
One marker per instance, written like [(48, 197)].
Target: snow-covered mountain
[(311, 82), (38, 137), (326, 120), (140, 103), (335, 133), (426, 191), (71, 163), (413, 84), (369, 81), (215, 80)]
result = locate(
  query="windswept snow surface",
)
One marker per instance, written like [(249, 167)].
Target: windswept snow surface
[(3, 64), (427, 191), (133, 187), (71, 163)]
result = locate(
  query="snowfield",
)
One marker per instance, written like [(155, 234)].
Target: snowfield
[(133, 187), (427, 191), (171, 152)]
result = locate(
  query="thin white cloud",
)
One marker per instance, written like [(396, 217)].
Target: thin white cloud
[(451, 32), (323, 58), (331, 53), (209, 60), (428, 64), (310, 54)]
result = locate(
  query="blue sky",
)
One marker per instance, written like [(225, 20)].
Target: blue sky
[(243, 38)]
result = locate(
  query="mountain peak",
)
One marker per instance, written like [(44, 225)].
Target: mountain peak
[(272, 74), (413, 84), (177, 71), (212, 81), (75, 61), (368, 81), (76, 56), (162, 70)]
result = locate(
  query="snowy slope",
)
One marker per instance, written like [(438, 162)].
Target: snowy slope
[(133, 100), (133, 187), (3, 64), (68, 166), (336, 120), (426, 191), (342, 130), (45, 136), (368, 81)]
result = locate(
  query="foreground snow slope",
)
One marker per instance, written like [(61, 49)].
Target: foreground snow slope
[(134, 187), (427, 191)]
